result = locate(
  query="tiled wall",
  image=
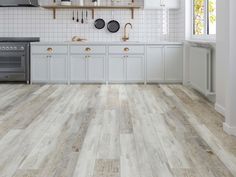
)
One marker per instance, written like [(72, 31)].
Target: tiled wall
[(148, 25)]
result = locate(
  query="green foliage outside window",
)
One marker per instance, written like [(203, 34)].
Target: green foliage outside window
[(199, 16), (212, 16)]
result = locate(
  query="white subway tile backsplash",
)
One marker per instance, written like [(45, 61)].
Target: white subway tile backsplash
[(148, 25)]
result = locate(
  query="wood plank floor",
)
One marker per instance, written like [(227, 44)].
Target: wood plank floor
[(111, 131)]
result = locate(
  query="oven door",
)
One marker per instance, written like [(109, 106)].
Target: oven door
[(14, 62)]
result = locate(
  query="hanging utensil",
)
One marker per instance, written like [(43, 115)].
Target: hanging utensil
[(82, 20), (73, 18), (77, 16), (86, 16)]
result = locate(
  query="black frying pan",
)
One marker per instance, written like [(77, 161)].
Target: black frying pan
[(113, 26), (99, 23)]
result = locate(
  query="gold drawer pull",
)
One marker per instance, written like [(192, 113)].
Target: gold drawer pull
[(50, 50), (126, 49), (88, 49)]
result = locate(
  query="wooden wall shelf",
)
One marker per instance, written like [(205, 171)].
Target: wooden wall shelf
[(90, 7)]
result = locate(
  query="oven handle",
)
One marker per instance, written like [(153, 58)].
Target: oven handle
[(23, 62)]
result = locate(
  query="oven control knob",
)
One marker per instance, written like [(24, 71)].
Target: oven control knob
[(11, 48), (3, 48), (7, 48), (14, 48), (22, 48)]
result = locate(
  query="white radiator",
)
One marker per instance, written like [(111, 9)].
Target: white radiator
[(201, 70)]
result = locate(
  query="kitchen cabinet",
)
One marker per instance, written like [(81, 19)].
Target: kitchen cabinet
[(164, 64), (127, 49), (96, 68), (126, 64), (173, 63), (112, 63), (78, 69), (49, 63), (49, 49), (160, 4), (135, 68), (155, 64), (39, 68), (126, 68), (87, 68), (58, 68), (49, 68), (87, 49), (116, 69)]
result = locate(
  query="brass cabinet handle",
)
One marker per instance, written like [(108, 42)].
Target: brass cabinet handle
[(50, 50), (126, 49), (88, 49)]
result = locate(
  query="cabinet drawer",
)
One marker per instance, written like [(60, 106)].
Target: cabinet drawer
[(126, 49), (87, 49), (52, 49)]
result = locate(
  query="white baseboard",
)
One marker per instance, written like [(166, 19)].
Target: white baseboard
[(220, 109), (229, 130)]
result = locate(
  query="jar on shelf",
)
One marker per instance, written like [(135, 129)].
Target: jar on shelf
[(66, 2), (81, 2), (96, 2)]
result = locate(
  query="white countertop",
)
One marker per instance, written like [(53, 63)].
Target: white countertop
[(107, 43), (203, 42)]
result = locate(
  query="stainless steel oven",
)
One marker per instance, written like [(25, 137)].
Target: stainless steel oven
[(14, 62), (15, 58)]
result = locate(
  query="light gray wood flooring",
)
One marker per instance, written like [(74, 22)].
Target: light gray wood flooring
[(111, 131)]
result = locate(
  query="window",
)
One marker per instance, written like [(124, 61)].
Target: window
[(211, 17), (204, 18)]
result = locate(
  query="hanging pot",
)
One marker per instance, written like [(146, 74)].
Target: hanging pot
[(113, 26), (99, 23)]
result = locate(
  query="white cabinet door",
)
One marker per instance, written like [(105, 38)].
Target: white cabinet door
[(155, 64), (173, 64), (58, 68), (96, 68), (171, 4), (135, 68), (116, 69), (78, 69), (39, 71), (152, 4)]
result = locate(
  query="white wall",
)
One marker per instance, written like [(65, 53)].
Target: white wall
[(230, 119), (222, 54), (147, 24)]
